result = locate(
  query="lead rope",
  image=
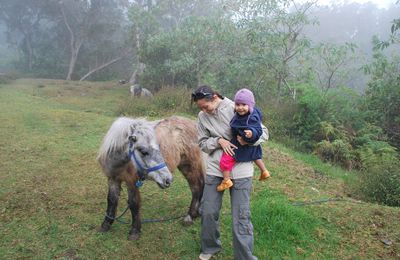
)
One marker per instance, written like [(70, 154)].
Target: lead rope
[(149, 220)]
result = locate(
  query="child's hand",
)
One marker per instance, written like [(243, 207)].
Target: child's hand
[(248, 133)]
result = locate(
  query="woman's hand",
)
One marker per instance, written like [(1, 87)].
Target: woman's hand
[(227, 146)]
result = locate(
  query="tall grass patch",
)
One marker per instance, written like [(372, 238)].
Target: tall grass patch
[(166, 102), (283, 230), (381, 183)]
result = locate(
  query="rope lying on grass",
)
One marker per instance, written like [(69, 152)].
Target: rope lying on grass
[(164, 219), (302, 203), (148, 220)]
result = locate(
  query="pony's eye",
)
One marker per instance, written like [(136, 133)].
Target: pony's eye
[(143, 152)]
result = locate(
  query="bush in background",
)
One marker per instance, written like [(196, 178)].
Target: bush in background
[(6, 78)]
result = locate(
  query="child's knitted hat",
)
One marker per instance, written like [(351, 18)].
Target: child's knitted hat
[(245, 96)]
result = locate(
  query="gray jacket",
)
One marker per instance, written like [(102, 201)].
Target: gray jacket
[(213, 127)]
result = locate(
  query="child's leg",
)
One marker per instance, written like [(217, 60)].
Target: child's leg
[(226, 164), (264, 172), (226, 175), (260, 164)]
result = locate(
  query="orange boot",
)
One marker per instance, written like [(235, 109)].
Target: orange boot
[(264, 175), (225, 184)]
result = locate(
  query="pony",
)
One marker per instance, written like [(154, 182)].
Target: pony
[(138, 149), (138, 91)]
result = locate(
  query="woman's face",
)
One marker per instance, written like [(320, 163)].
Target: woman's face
[(207, 106), (242, 109)]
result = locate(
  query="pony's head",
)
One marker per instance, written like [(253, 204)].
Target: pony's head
[(145, 154)]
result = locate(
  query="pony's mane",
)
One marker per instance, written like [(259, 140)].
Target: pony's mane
[(116, 139)]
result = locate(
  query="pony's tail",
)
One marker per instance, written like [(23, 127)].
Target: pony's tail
[(116, 139)]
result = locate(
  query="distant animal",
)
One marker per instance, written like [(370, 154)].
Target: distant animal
[(137, 149), (138, 91), (121, 81)]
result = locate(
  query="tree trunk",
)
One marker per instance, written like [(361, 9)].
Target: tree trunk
[(73, 59), (140, 66), (75, 45), (136, 73), (30, 52)]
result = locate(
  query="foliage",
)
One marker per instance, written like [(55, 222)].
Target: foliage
[(275, 39), (311, 111), (200, 53), (52, 35), (382, 98), (338, 152), (380, 181), (333, 64)]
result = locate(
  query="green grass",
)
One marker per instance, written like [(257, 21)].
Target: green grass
[(284, 230), (53, 194)]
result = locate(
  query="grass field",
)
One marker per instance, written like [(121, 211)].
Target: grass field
[(53, 194)]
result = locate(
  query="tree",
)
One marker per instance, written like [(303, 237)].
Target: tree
[(198, 56), (274, 32), (383, 93), (332, 64), (23, 20), (88, 34), (382, 98), (159, 29), (90, 22)]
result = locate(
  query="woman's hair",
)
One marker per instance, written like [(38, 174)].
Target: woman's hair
[(205, 92)]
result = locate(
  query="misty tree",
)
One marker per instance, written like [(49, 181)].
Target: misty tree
[(274, 32), (108, 39), (382, 97), (155, 21), (23, 21), (91, 23), (332, 64)]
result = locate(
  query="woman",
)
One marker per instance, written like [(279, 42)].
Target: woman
[(214, 135)]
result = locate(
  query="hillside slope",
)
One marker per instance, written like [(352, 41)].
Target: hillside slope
[(53, 194)]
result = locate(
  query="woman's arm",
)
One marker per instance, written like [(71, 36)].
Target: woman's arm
[(207, 143)]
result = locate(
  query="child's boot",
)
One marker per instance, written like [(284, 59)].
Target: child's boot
[(225, 184), (264, 175)]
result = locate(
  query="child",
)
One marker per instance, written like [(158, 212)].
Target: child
[(246, 123)]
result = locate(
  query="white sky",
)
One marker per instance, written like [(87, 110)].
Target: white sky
[(379, 3)]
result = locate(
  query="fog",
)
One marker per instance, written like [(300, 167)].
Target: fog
[(101, 40)]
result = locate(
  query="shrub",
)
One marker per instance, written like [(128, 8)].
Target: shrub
[(381, 183), (6, 78), (376, 153), (380, 173), (338, 152)]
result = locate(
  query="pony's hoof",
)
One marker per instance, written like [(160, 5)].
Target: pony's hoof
[(103, 229), (187, 221), (133, 236)]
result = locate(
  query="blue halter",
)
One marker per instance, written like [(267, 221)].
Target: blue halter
[(141, 170)]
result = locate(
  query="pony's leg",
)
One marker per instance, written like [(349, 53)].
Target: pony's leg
[(114, 188), (134, 206), (195, 178)]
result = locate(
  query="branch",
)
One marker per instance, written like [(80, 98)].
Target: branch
[(100, 68)]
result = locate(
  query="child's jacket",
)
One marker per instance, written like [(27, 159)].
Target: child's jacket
[(246, 153)]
